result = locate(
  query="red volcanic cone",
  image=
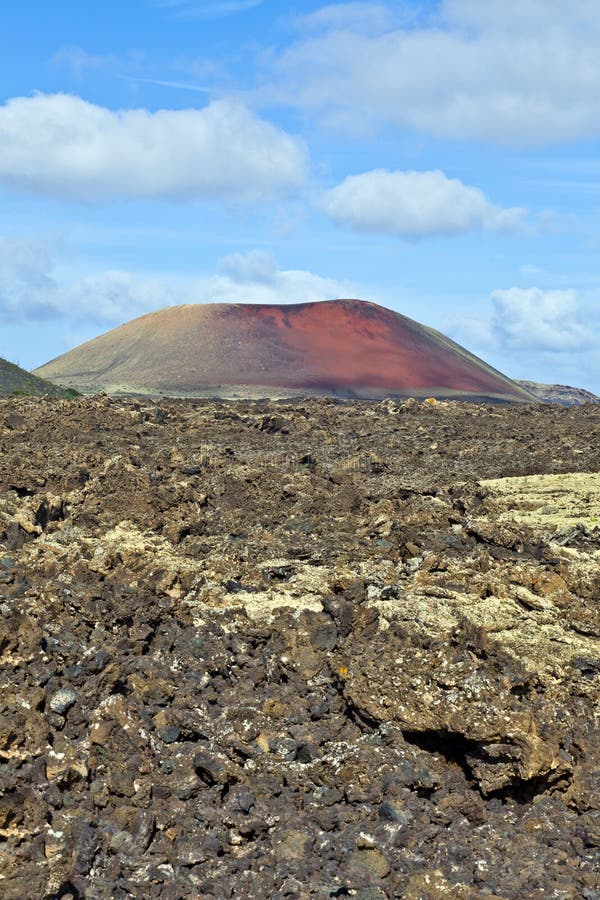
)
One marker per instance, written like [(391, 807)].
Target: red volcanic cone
[(344, 348)]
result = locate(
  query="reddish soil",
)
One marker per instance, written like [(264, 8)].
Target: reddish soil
[(339, 347)]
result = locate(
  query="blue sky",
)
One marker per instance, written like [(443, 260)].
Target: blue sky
[(440, 158)]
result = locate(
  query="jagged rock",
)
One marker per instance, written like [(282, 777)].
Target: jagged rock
[(299, 648), (559, 393)]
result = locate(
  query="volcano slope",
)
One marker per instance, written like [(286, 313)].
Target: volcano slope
[(299, 649), (15, 380), (343, 348)]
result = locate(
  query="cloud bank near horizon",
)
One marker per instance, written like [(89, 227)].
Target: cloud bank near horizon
[(535, 328), (31, 292), (529, 324)]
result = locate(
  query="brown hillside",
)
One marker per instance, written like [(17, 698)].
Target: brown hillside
[(338, 348), (15, 380)]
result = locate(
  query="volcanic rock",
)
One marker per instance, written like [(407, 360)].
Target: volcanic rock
[(343, 348), (562, 394), (397, 699)]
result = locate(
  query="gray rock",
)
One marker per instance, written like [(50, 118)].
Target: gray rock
[(63, 700)]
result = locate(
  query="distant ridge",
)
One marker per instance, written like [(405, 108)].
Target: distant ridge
[(340, 348), (563, 394), (15, 380)]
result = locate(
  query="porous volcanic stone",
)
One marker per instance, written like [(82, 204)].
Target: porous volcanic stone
[(299, 649)]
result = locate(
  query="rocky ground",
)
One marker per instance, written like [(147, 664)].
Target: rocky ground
[(299, 649)]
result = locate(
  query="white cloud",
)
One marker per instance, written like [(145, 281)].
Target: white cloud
[(521, 73), (415, 205), (530, 318), (60, 145), (525, 14), (30, 290), (550, 336), (255, 277), (368, 18), (26, 283), (111, 297), (552, 323)]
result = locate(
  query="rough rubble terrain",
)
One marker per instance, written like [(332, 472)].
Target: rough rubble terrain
[(299, 649)]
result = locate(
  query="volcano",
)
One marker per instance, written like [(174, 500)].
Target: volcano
[(337, 348)]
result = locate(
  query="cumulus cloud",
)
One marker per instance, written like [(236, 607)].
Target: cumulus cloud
[(61, 145), (530, 318), (255, 277), (537, 321), (415, 205), (26, 283), (31, 291), (526, 14), (516, 74), (547, 335)]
